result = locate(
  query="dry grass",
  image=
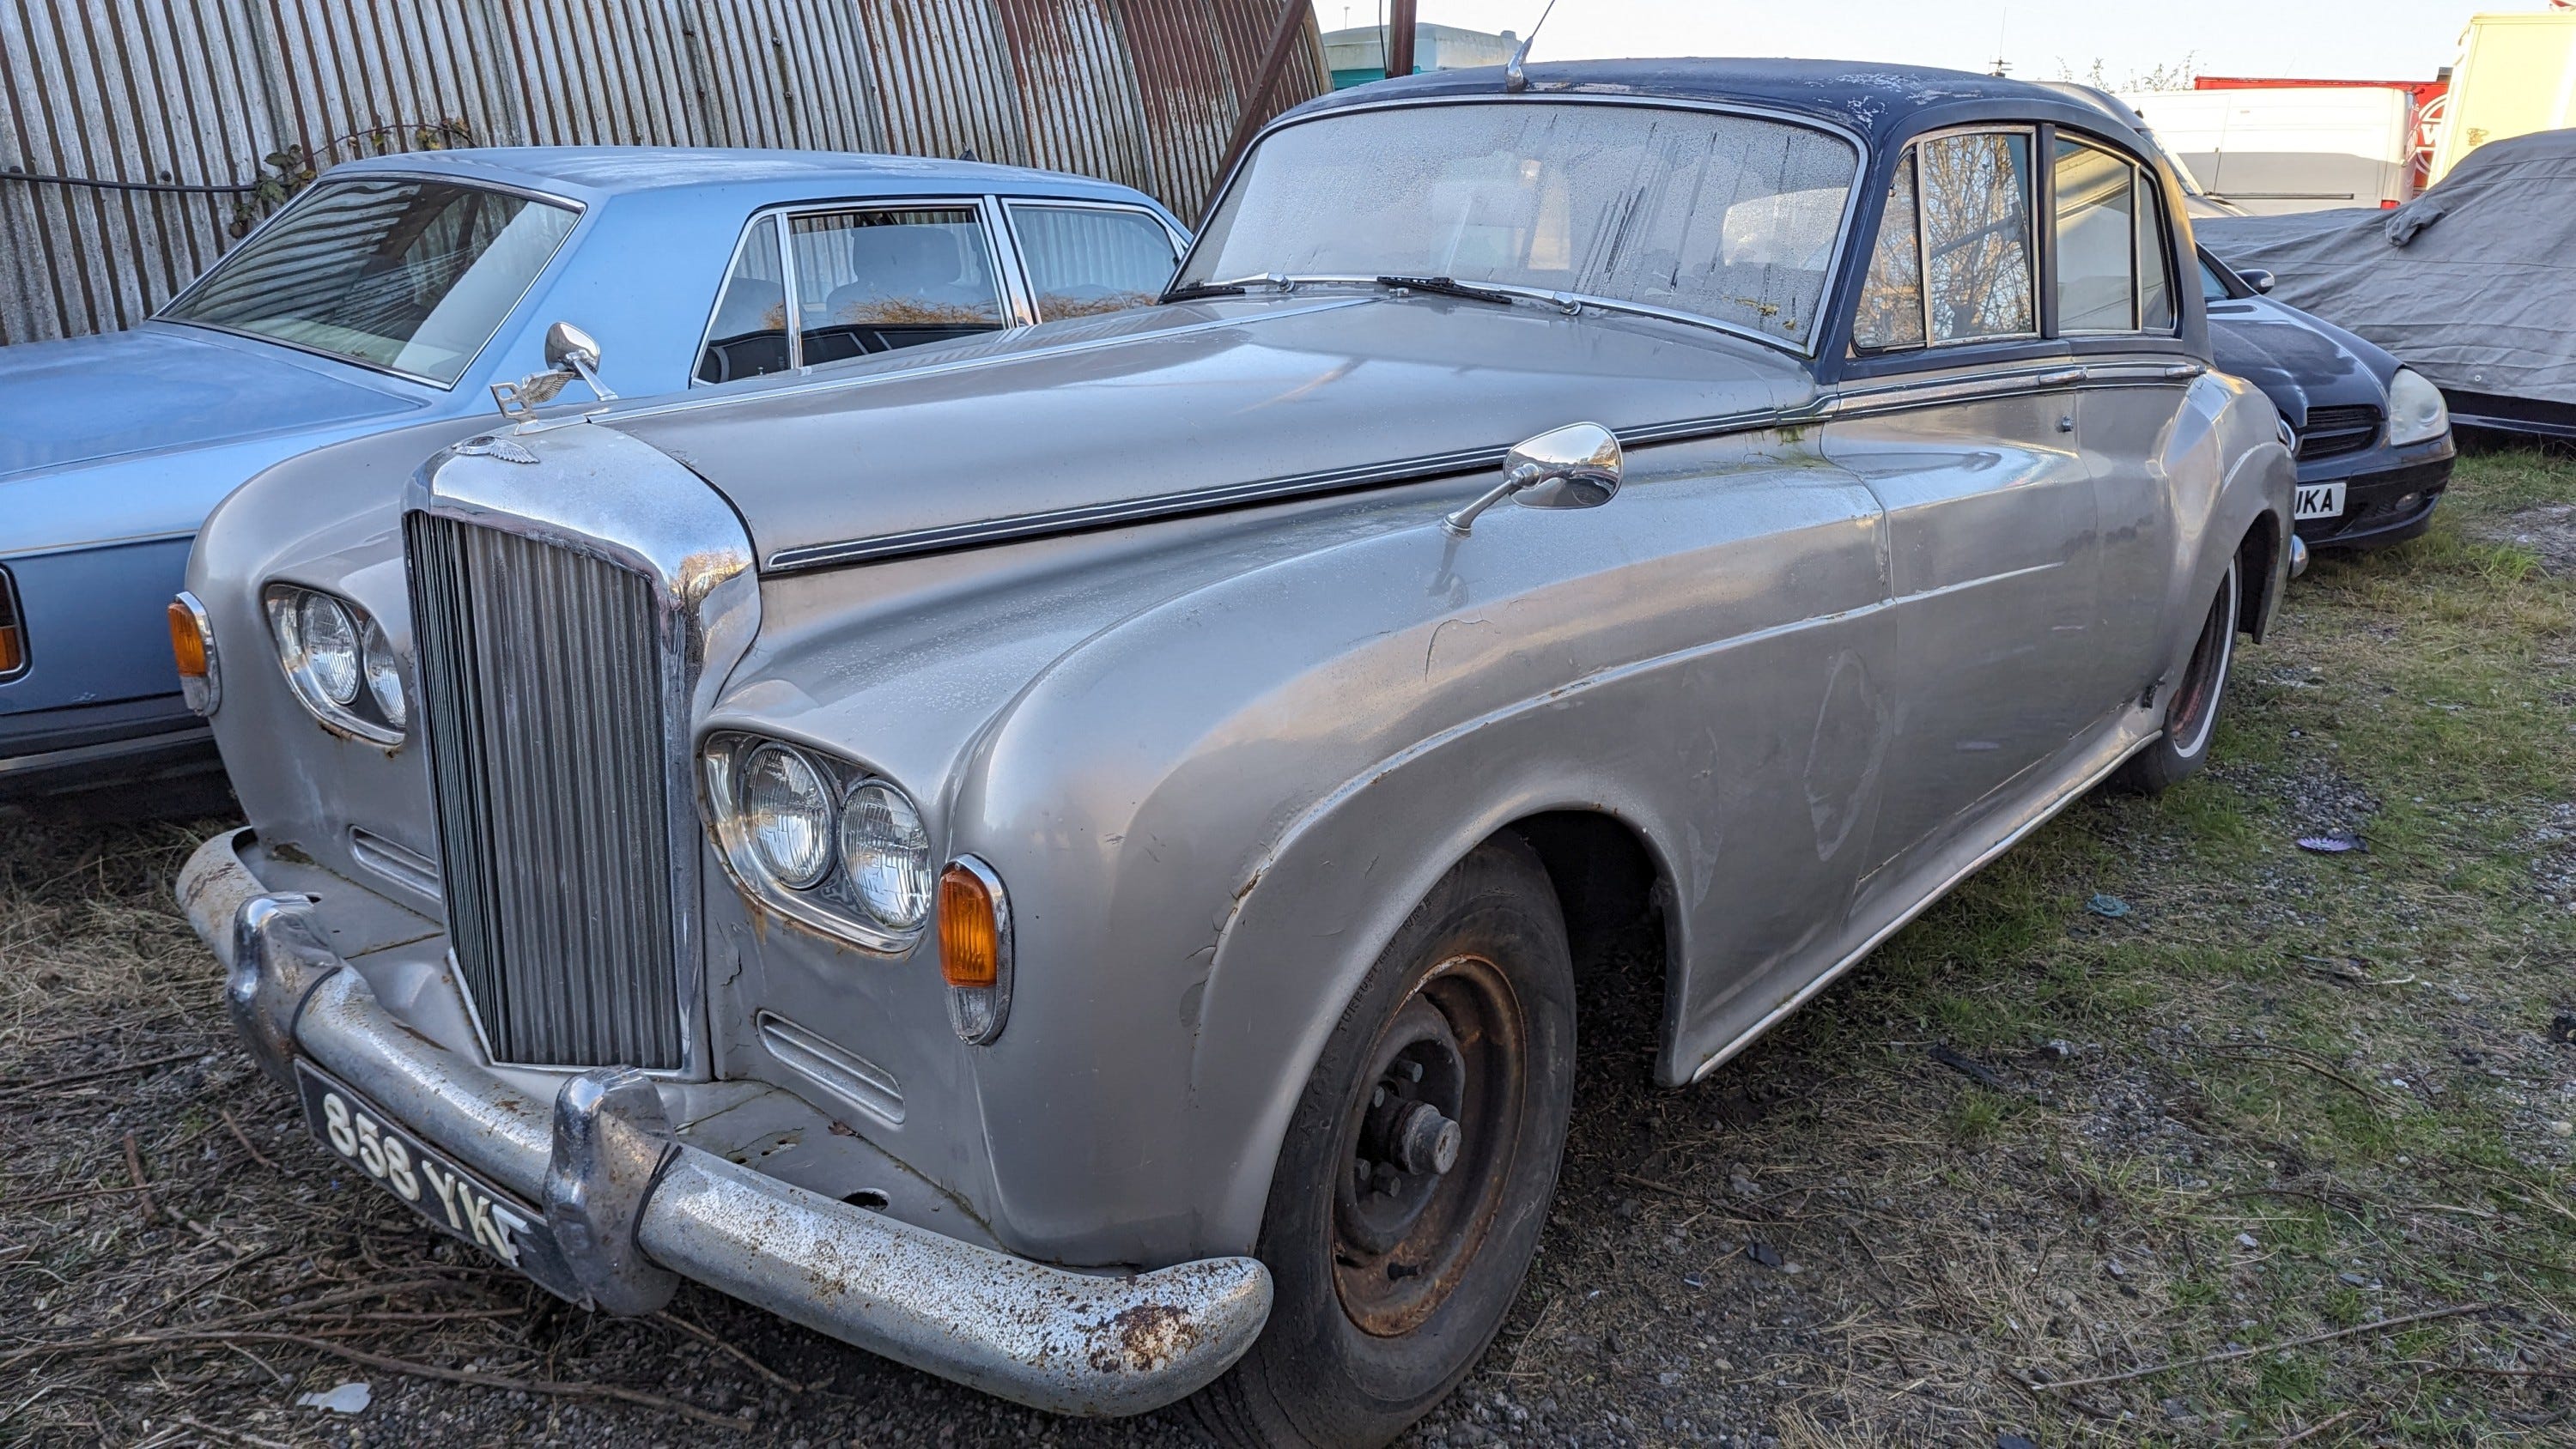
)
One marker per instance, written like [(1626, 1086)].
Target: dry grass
[(1841, 1239)]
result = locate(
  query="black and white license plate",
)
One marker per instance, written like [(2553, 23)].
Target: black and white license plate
[(450, 1198), (2317, 500)]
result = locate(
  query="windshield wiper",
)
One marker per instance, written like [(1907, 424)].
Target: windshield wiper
[(1448, 287), (1236, 288)]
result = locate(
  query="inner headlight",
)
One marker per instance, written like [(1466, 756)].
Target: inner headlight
[(338, 663), (788, 814), (887, 854), (821, 840), (2416, 412), (384, 678)]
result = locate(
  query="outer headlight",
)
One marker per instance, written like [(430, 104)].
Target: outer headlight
[(788, 816), (337, 662), (330, 647), (2416, 412), (887, 853)]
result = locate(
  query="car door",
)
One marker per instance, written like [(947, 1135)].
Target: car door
[(1961, 420), (2115, 302), (1086, 258)]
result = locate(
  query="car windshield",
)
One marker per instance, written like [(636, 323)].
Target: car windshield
[(408, 275), (1729, 218)]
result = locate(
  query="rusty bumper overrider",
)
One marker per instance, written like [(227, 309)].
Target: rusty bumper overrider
[(635, 1209)]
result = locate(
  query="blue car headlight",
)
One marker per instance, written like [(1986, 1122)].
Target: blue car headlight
[(2416, 413)]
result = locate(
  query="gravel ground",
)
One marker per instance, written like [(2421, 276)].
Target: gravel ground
[(2274, 1144)]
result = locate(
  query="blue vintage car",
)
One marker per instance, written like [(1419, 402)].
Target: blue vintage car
[(398, 292)]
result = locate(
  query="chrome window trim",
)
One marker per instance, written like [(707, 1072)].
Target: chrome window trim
[(1009, 232), (1005, 267), (978, 204), (1180, 237), (658, 519), (580, 212), (724, 283), (2030, 237), (1023, 293), (1826, 303)]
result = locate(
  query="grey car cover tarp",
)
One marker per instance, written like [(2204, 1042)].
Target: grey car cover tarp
[(2473, 283)]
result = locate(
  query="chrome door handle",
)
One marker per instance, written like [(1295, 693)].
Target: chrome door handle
[(2184, 371), (2061, 377)]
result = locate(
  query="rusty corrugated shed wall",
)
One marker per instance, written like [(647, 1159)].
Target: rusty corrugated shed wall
[(184, 94)]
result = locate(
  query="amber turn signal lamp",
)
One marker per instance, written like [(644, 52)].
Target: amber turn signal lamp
[(975, 949), (12, 652), (192, 648), (970, 939), (187, 646)]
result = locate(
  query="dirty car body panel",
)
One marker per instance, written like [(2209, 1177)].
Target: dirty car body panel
[(1154, 620)]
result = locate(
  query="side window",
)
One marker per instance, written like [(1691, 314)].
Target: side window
[(2155, 288), (1890, 314), (2097, 231), (1086, 260), (1976, 199), (876, 280), (2211, 289), (749, 334)]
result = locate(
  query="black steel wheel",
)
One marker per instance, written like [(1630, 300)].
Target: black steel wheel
[(2191, 713), (1418, 1167)]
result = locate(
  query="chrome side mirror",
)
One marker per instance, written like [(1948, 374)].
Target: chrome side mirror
[(1576, 466), (2259, 279), (570, 354)]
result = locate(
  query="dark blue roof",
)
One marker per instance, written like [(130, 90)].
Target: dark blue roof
[(1881, 102)]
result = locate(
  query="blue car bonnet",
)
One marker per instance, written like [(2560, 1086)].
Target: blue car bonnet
[(165, 386)]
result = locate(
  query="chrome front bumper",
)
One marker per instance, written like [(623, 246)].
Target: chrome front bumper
[(635, 1209)]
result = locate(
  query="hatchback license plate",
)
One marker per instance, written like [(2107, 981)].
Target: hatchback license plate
[(2317, 500), (427, 1181)]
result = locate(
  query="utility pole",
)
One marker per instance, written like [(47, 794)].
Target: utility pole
[(1399, 40)]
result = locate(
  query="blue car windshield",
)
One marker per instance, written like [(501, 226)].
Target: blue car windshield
[(1725, 217), (407, 275)]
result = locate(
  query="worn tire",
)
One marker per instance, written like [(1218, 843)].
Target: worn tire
[(1488, 939), (2191, 715)]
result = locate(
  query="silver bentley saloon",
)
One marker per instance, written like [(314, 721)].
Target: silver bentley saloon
[(1069, 859)]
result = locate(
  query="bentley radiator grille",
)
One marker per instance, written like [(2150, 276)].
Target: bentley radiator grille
[(541, 678)]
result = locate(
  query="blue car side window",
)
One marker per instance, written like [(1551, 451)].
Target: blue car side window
[(749, 335)]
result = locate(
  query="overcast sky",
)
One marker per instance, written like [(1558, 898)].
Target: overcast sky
[(2344, 39)]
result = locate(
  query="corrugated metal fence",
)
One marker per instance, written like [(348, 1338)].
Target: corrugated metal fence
[(179, 100)]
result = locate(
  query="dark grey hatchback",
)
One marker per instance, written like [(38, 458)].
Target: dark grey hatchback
[(2374, 441)]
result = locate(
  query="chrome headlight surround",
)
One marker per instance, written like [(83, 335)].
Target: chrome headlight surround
[(830, 902), (2416, 411), (375, 711)]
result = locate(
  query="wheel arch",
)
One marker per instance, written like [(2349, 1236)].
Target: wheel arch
[(1340, 884)]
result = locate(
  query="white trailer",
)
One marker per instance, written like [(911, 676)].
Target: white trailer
[(2517, 75), (2277, 149)]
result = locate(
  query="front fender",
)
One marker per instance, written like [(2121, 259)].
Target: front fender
[(1245, 788)]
